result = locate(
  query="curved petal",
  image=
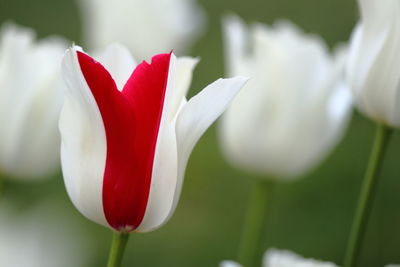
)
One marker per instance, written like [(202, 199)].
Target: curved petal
[(164, 176), (196, 116), (182, 80), (164, 170), (83, 145)]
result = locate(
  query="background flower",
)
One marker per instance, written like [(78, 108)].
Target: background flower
[(294, 109), (147, 27), (374, 60), (30, 101), (41, 236), (283, 258)]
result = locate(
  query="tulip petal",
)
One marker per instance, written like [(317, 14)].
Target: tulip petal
[(183, 79), (163, 180), (119, 63), (197, 115), (83, 147), (235, 33), (164, 176)]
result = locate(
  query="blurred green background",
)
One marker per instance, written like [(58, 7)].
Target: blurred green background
[(311, 216)]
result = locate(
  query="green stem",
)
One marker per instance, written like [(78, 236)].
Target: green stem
[(249, 248), (367, 195), (2, 184), (118, 245)]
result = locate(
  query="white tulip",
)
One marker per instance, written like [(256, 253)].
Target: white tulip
[(30, 101), (146, 27), (42, 236), (374, 61), (283, 258), (295, 107)]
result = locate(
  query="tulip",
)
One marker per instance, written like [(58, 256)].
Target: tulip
[(30, 102), (283, 258), (126, 138), (372, 73), (373, 58), (294, 109), (287, 118), (33, 237), (147, 27)]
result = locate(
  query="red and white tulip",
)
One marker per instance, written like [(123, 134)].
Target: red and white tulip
[(127, 136)]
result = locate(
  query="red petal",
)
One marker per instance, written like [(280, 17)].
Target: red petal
[(131, 119)]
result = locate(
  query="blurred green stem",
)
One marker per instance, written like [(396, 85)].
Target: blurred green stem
[(2, 184), (249, 247), (118, 245), (367, 195)]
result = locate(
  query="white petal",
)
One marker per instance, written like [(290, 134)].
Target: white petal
[(235, 33), (183, 79), (197, 115), (83, 148), (119, 63), (229, 264), (283, 258)]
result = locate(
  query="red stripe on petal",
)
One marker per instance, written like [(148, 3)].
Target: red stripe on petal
[(131, 119)]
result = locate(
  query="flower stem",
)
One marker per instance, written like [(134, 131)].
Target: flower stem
[(367, 195), (118, 245), (2, 185), (249, 248)]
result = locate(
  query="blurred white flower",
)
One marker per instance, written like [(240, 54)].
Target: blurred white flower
[(230, 264), (42, 236), (283, 258), (30, 101), (295, 107), (146, 27), (374, 61)]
